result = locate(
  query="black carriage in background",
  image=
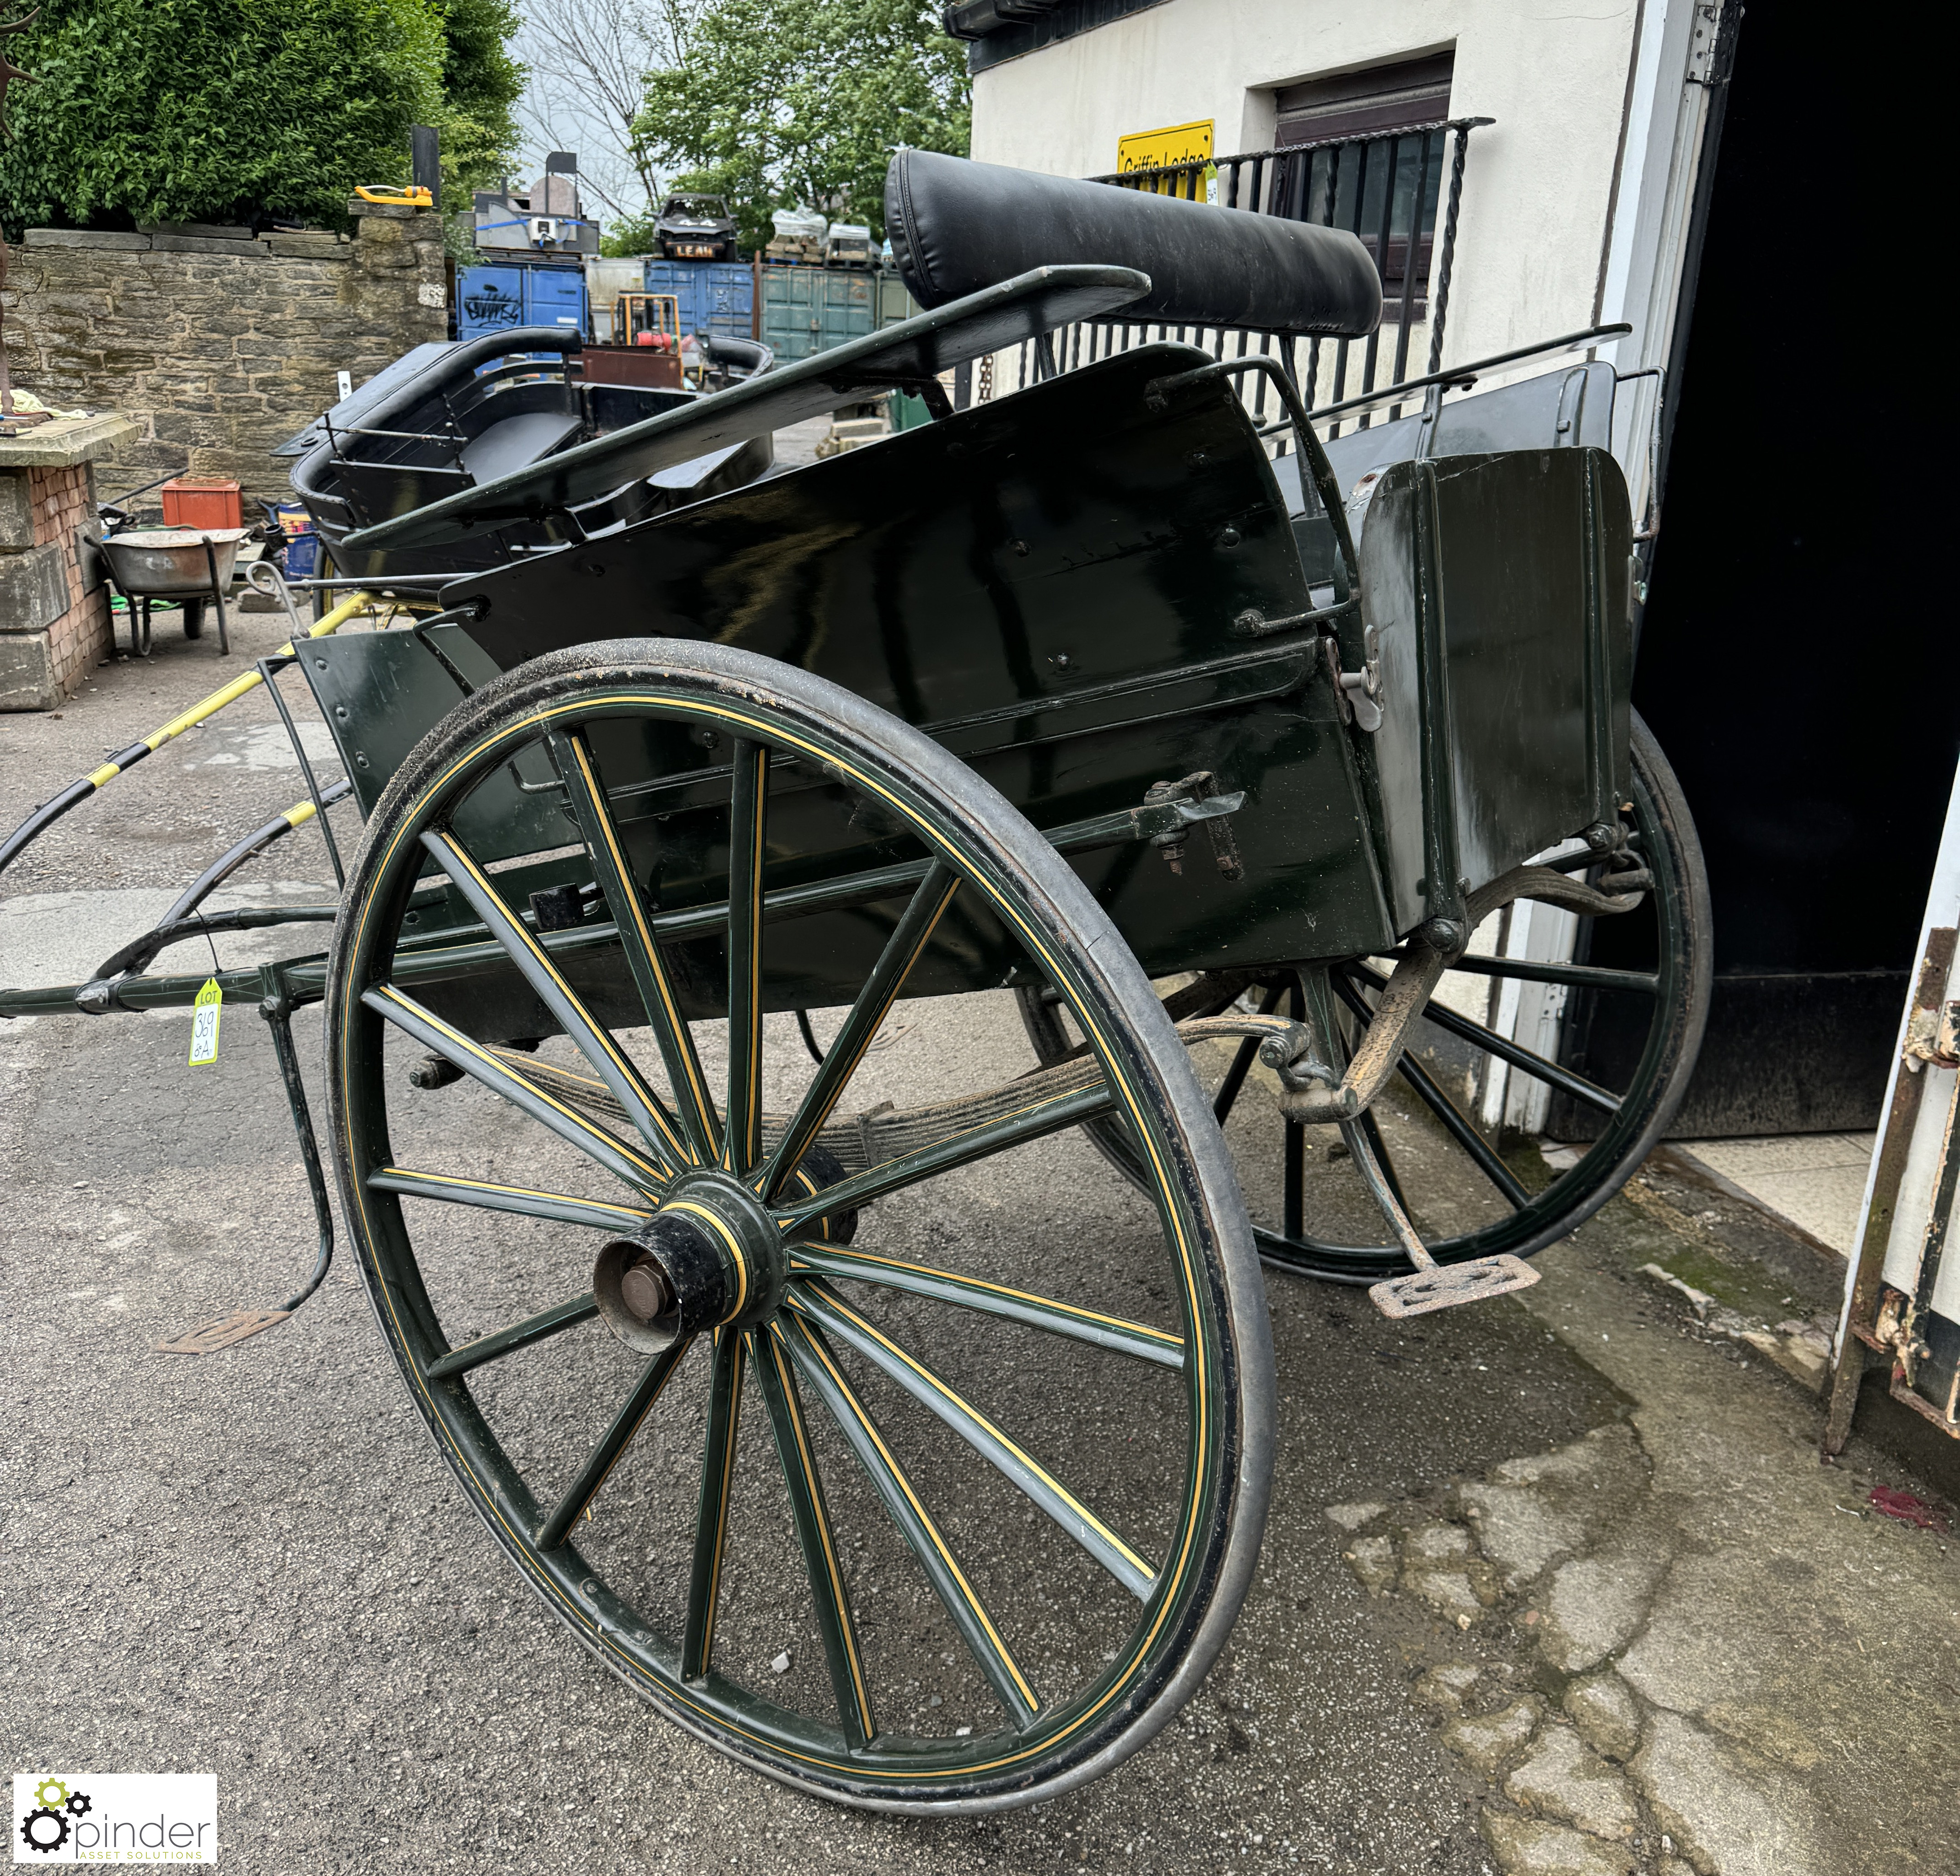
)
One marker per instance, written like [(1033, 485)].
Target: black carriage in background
[(1216, 746)]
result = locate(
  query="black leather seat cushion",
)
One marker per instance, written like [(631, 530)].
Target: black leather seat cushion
[(956, 227)]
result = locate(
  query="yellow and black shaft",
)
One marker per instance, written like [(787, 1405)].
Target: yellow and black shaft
[(45, 816)]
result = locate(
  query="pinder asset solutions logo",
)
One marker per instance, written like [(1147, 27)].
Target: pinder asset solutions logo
[(116, 1818)]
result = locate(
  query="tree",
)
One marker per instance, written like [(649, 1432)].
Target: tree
[(481, 82), (588, 61), (244, 110), (783, 103)]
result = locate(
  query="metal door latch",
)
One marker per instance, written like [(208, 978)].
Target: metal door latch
[(1197, 798), (1359, 691)]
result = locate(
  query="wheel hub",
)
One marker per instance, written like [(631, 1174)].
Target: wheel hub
[(710, 1256)]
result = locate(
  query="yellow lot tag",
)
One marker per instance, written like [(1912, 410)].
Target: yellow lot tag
[(204, 1023)]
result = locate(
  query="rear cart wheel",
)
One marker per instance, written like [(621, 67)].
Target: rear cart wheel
[(1617, 1031), (1011, 1469)]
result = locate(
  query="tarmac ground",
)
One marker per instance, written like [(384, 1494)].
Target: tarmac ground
[(1554, 1584)]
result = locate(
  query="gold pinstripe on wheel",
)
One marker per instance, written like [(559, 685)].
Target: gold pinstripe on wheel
[(840, 1599), (739, 720), (691, 1088)]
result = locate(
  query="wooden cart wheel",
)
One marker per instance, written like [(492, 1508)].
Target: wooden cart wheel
[(1636, 1001), (583, 1289)]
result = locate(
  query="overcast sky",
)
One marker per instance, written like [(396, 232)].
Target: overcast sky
[(561, 111)]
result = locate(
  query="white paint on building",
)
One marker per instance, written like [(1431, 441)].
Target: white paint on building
[(1538, 188), (1576, 198)]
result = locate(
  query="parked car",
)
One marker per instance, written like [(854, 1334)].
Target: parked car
[(694, 227)]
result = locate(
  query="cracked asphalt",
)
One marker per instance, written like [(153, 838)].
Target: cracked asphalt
[(255, 1564)]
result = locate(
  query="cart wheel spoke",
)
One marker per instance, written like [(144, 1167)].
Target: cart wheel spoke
[(609, 1062), (1502, 1047), (1013, 1462), (676, 1041), (481, 1065), (1371, 1128), (895, 1492), (1242, 1059), (612, 1446), (452, 1189), (1035, 1122), (821, 1562), (1465, 1135), (717, 1480), (1158, 1346), (521, 1335), (1575, 977), (912, 934), (747, 830)]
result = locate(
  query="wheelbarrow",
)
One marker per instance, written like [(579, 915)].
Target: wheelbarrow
[(187, 565)]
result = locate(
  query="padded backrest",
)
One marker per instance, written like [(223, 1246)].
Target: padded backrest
[(956, 227)]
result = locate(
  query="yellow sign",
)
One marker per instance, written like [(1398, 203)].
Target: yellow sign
[(205, 1013), (1160, 149)]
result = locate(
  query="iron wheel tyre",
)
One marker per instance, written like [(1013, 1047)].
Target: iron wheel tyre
[(798, 1352), (1677, 916)]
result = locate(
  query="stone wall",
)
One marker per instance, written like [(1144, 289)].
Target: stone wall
[(218, 349)]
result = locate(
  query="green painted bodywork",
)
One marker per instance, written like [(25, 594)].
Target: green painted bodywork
[(1053, 586)]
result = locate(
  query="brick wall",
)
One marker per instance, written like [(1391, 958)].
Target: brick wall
[(218, 349), (52, 631), (63, 500)]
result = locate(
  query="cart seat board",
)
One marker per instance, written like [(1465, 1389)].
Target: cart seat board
[(989, 321), (517, 440), (957, 226)]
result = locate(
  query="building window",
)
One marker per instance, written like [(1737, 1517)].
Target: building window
[(1367, 153), (1365, 103)]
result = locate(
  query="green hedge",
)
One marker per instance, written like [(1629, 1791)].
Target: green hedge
[(227, 110)]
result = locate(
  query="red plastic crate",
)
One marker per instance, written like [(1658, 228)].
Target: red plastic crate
[(202, 502)]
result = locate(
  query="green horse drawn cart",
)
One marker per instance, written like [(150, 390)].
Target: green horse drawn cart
[(1216, 744)]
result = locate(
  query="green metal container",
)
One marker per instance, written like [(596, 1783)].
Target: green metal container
[(809, 310)]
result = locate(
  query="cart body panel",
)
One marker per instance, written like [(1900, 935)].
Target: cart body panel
[(1566, 409), (1049, 588), (1511, 573), (1054, 588)]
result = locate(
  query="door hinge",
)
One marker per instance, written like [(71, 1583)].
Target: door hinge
[(1933, 1035), (1711, 59)]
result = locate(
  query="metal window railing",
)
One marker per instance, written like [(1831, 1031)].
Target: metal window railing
[(1399, 193)]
